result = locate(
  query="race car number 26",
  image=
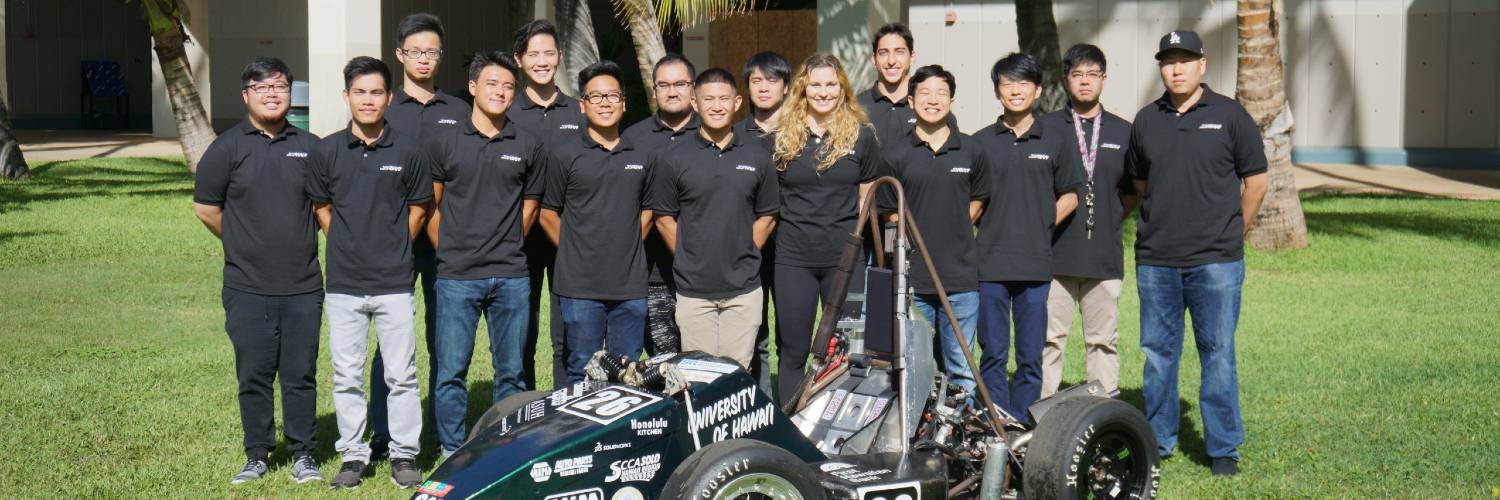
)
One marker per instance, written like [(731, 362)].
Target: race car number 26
[(609, 404)]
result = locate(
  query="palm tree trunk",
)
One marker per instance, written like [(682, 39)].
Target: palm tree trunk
[(12, 162), (581, 48), (1260, 88), (1036, 29), (194, 130), (640, 18)]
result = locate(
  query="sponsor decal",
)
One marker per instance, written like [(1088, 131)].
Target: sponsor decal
[(562, 396), (540, 471), (833, 404), (1073, 463), (607, 447), (628, 493), (1110, 145), (746, 168), (635, 469), (1211, 126), (875, 411), (510, 157), (1039, 156), (855, 475), (723, 476), (634, 166), (567, 126), (653, 427), (959, 170), (588, 494), (609, 404), (296, 154), (435, 488), (448, 121), (707, 366), (533, 410), (833, 466), (390, 168), (573, 466)]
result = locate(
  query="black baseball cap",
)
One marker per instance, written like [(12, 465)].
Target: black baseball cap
[(1180, 40)]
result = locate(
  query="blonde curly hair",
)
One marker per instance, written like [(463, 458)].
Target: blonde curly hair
[(842, 127)]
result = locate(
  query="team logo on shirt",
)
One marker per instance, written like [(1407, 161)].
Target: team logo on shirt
[(390, 168), (746, 168), (634, 166), (959, 170), (510, 157), (448, 121), (1039, 156), (296, 154), (1109, 145), (1211, 126), (567, 126)]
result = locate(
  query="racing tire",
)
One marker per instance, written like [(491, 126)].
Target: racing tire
[(503, 408), (743, 469), (1092, 447)]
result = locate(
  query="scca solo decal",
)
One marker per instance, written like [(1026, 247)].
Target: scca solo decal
[(609, 404)]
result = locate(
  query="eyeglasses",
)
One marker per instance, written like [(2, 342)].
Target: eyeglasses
[(433, 54), (269, 88), (680, 86), (1092, 75), (549, 54), (612, 97)]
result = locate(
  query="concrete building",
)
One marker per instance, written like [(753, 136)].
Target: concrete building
[(1402, 82)]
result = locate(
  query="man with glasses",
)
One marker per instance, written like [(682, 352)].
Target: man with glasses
[(673, 121), (417, 109), (487, 176), (715, 197), (370, 187), (544, 110), (249, 192), (596, 210), (1087, 254), (1200, 167)]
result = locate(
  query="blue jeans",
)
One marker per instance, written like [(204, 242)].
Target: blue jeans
[(1025, 303), (966, 308), (503, 301), (616, 325), (1211, 294)]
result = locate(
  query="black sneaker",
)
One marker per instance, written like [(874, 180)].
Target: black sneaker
[(1225, 467), (254, 469), (304, 469), (404, 473), (350, 475)]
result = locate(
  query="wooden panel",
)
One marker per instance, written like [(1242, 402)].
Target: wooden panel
[(1473, 77), (732, 40), (1426, 71)]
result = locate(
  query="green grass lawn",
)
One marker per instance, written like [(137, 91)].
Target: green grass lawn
[(1368, 362)]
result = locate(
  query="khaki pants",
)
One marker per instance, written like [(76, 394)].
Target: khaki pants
[(721, 327), (1100, 303)]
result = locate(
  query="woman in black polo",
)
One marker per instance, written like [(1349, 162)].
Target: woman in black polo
[(826, 155)]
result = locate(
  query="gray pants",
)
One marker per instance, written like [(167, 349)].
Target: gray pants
[(349, 318)]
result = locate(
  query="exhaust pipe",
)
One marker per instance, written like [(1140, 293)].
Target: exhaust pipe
[(995, 455)]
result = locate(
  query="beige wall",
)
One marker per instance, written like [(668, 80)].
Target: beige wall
[(844, 29), (242, 31), (1360, 73)]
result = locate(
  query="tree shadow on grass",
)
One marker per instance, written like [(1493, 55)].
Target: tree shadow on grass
[(431, 450), (1369, 225), (90, 178), (6, 236), (1189, 440)]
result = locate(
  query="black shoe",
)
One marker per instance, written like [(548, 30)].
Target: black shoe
[(404, 473), (349, 476), (1225, 467)]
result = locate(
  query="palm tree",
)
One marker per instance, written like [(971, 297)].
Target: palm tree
[(12, 162), (645, 19), (1036, 29), (1259, 87), (169, 36), (575, 24)]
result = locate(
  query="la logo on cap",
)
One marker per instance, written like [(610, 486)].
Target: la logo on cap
[(1175, 38)]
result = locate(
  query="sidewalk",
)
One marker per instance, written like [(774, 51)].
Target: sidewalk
[(41, 146)]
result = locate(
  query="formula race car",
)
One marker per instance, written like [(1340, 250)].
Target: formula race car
[(874, 420)]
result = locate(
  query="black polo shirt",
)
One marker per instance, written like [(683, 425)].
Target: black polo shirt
[(818, 210), (892, 120), (559, 120), (269, 235), (1073, 252), (654, 137), (599, 195), (420, 120), (1026, 175), (939, 186), (751, 131), (371, 188), (716, 195), (484, 182), (1192, 164)]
